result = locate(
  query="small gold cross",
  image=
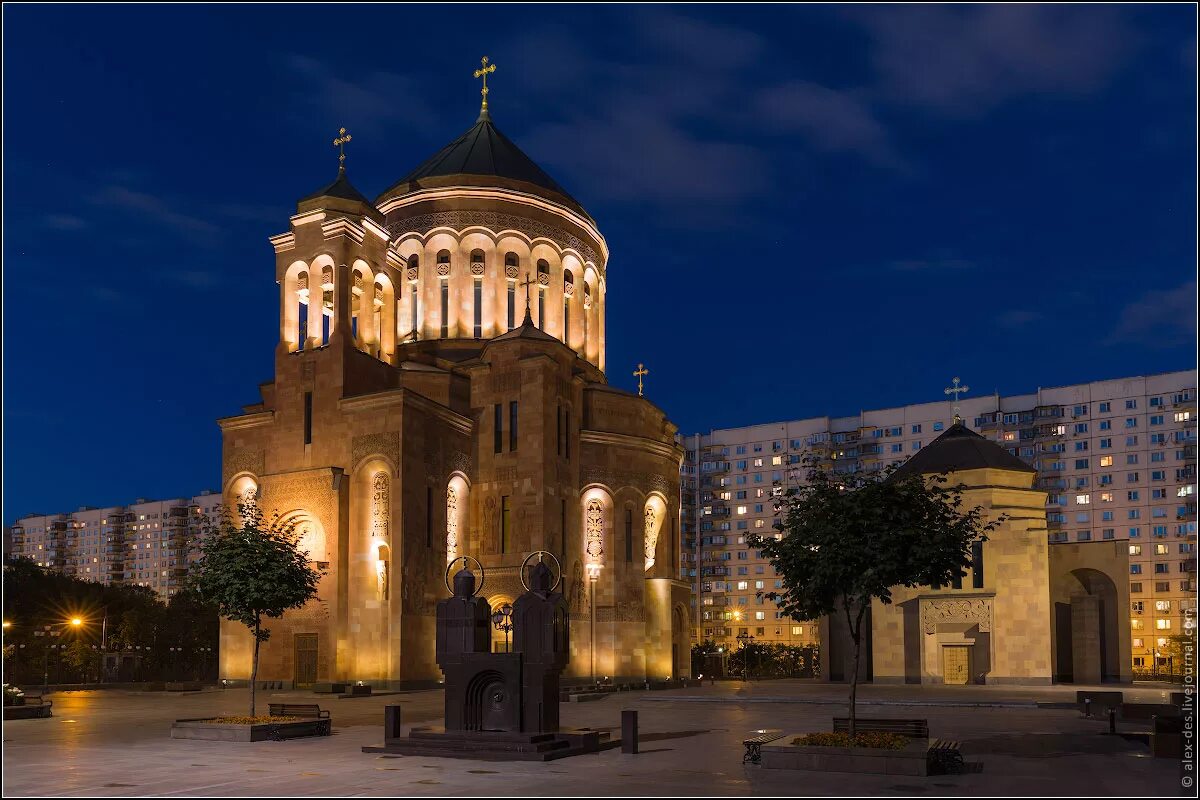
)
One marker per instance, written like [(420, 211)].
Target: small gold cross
[(340, 143), (527, 283), (483, 73), (638, 373)]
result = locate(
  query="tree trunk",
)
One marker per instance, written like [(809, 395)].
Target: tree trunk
[(855, 635), (254, 669)]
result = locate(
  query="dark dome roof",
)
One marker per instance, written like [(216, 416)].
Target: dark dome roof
[(961, 448), (340, 188), (483, 151)]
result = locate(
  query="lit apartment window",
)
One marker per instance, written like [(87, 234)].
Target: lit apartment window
[(1183, 416), (1135, 549), (1139, 642), (1162, 624), (1082, 499), (797, 630), (1162, 605), (1137, 624), (1106, 461)]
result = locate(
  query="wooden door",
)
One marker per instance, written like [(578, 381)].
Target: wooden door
[(956, 664), (306, 660)]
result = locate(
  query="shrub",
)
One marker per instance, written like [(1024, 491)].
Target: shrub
[(882, 741)]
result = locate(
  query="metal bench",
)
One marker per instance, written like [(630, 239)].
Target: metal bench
[(754, 745), (302, 710), (912, 728), (945, 757)]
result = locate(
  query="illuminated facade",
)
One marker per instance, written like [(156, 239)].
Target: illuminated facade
[(143, 544), (439, 391), (1116, 460)]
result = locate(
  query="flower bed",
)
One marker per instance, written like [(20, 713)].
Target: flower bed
[(249, 729), (882, 741), (867, 753)]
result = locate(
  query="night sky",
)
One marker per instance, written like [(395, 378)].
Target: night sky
[(810, 210)]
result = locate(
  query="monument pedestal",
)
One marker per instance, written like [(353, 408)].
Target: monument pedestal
[(493, 745)]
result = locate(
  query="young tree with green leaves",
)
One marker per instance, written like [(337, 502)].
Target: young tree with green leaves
[(848, 539), (251, 568)]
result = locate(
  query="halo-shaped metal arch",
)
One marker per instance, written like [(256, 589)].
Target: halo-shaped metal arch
[(482, 573), (557, 563)]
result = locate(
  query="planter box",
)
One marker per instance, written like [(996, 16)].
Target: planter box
[(912, 759), (30, 711), (260, 732)]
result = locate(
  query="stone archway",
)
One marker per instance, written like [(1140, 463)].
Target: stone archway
[(1086, 627)]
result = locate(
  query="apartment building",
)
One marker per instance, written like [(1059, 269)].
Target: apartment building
[(143, 544), (1117, 459)]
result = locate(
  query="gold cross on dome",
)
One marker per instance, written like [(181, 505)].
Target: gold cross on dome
[(638, 373), (340, 143), (955, 390), (483, 73)]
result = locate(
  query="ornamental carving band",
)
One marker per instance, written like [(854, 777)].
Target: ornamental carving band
[(956, 610), (593, 526)]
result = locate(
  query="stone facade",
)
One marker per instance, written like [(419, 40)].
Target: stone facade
[(414, 418)]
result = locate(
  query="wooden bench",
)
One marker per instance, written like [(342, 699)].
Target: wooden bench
[(945, 757), (754, 745), (912, 728), (302, 710)]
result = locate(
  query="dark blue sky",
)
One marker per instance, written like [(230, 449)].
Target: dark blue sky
[(810, 210)]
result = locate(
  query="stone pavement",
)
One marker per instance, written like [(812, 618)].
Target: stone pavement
[(117, 743)]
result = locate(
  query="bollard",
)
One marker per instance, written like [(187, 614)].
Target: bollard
[(629, 732), (391, 724), (1087, 707), (1112, 720)]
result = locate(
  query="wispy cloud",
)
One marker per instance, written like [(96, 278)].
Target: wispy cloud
[(157, 209), (1160, 318), (1018, 318), (830, 119), (64, 222), (963, 60)]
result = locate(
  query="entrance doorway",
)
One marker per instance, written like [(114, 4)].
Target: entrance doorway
[(306, 660), (956, 664)]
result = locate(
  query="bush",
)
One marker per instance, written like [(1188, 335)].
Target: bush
[(882, 741)]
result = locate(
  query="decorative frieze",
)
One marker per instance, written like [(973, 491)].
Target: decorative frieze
[(496, 222), (960, 610), (613, 478), (376, 444), (244, 459)]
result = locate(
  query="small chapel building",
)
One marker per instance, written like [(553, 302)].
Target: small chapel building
[(1026, 612), (440, 392)]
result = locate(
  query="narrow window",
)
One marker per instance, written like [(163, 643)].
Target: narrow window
[(628, 536), (498, 439), (445, 309), (326, 319), (413, 307), (567, 322), (562, 530), (512, 426), (308, 417), (505, 523), (429, 516), (567, 433), (303, 322), (977, 565), (512, 305), (478, 308), (558, 425), (541, 308)]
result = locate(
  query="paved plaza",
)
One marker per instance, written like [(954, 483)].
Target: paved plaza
[(117, 743)]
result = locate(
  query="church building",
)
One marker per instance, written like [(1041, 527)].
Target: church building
[(1024, 612), (440, 392)]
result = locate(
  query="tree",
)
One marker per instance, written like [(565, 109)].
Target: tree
[(848, 539), (253, 568)]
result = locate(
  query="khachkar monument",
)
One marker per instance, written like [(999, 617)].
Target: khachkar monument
[(440, 391), (499, 705)]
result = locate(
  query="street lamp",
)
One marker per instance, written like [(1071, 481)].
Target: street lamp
[(502, 619), (743, 640), (47, 633), (593, 573)]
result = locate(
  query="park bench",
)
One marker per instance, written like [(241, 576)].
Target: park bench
[(912, 728), (302, 710), (754, 745)]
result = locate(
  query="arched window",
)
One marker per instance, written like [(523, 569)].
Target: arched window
[(477, 269), (412, 275), (443, 270), (356, 289), (302, 310), (568, 291), (511, 274), (628, 535), (543, 268)]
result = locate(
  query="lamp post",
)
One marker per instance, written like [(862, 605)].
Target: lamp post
[(743, 640), (593, 573), (502, 619), (46, 634)]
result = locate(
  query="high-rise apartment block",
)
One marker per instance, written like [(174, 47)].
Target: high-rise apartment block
[(143, 544), (1116, 458)]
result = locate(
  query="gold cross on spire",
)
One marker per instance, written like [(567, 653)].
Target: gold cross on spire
[(638, 373), (483, 73), (956, 390), (527, 283), (340, 143)]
